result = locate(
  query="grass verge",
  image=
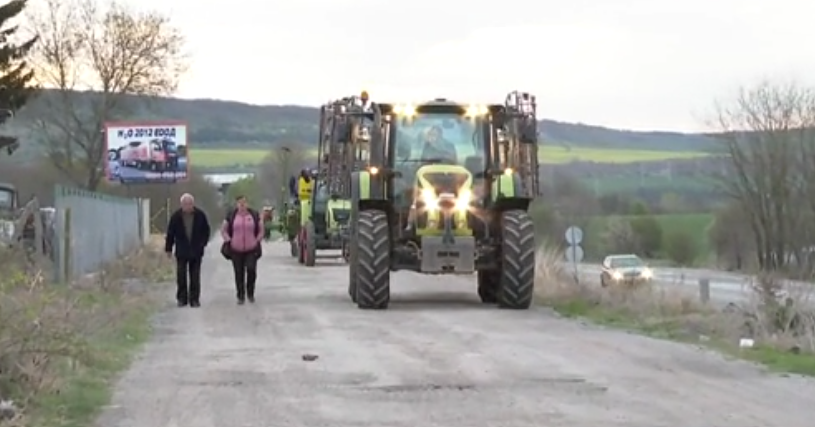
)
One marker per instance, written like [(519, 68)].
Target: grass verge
[(62, 347), (772, 327)]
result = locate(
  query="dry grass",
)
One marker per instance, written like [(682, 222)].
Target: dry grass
[(780, 324), (59, 345)]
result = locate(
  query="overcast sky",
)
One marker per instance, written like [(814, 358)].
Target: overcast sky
[(632, 64)]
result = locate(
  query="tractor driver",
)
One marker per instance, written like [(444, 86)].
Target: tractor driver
[(436, 148)]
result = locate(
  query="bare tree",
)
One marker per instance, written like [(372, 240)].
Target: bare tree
[(768, 134), (97, 60), (280, 164)]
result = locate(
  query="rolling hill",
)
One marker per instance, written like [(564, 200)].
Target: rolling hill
[(235, 125)]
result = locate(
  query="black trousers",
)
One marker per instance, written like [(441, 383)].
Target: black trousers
[(188, 267), (245, 265)]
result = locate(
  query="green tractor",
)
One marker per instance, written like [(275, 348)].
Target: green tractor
[(446, 191), (323, 217)]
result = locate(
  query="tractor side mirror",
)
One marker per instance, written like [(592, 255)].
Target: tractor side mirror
[(529, 133), (499, 119)]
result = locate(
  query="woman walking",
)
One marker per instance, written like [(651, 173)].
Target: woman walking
[(243, 231)]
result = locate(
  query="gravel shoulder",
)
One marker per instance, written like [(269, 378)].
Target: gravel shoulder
[(436, 358)]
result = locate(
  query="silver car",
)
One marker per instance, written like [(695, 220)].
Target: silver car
[(625, 269)]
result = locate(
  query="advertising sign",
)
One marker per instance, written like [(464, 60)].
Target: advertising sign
[(146, 152)]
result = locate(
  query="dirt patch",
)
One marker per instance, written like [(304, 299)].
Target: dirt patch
[(60, 345)]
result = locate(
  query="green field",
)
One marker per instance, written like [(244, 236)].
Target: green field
[(218, 158), (624, 183)]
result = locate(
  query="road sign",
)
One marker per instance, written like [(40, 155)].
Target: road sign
[(574, 235), (574, 254)]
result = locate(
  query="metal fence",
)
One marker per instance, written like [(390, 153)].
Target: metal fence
[(93, 229)]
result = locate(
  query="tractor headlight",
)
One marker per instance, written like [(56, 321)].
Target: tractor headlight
[(463, 201), (429, 198)]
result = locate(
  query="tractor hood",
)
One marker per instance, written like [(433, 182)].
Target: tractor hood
[(444, 178)]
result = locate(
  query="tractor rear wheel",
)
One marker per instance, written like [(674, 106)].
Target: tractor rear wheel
[(310, 242), (488, 286), (301, 248), (372, 261), (353, 251), (516, 287)]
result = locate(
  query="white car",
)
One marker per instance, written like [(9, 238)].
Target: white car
[(625, 269)]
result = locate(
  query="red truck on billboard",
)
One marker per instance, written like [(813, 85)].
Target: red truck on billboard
[(154, 155)]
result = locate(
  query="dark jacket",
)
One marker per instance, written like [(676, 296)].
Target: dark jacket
[(177, 236)]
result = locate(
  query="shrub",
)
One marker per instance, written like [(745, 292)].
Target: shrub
[(49, 333), (649, 234), (679, 248)]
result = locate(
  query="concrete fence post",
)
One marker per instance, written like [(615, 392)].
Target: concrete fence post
[(704, 290), (144, 220)]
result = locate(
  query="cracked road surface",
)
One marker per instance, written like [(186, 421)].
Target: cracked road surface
[(436, 358)]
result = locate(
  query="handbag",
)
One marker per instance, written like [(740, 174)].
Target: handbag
[(226, 251)]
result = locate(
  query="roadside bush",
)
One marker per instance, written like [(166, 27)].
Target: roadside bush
[(619, 237), (648, 233), (780, 322), (679, 248), (50, 334)]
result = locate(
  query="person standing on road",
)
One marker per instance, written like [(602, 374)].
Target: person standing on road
[(243, 231), (188, 232)]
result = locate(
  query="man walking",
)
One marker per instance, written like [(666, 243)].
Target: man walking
[(189, 232)]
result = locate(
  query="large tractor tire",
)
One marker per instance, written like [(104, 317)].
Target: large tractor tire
[(301, 246), (373, 260), (310, 243), (516, 287), (488, 286), (353, 257)]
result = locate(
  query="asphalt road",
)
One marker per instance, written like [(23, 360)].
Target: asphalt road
[(725, 287), (437, 358)]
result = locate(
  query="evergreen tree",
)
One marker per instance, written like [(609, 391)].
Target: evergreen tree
[(16, 76)]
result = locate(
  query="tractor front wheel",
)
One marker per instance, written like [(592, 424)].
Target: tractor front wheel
[(488, 286), (310, 242), (516, 287), (372, 263)]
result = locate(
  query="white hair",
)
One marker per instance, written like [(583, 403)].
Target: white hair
[(187, 197)]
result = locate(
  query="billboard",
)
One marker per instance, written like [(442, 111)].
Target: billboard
[(146, 152)]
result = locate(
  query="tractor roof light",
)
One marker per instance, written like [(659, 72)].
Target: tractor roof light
[(404, 110), (477, 110)]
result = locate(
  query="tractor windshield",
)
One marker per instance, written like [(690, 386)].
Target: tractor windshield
[(438, 138)]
